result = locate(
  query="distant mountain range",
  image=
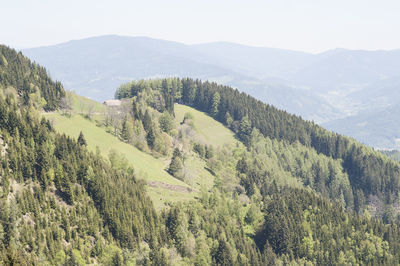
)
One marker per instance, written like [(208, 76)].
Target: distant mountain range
[(335, 88), (95, 67)]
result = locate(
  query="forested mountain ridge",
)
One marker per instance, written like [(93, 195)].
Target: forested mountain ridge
[(369, 172), (30, 79), (257, 172), (63, 205)]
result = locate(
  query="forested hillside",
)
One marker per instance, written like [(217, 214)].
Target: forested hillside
[(29, 79), (59, 202), (280, 200), (370, 173), (280, 164)]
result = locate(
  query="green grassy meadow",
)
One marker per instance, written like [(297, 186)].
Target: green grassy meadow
[(146, 166), (212, 131), (162, 187)]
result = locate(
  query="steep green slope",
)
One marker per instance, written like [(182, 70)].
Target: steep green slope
[(61, 204), (98, 137), (370, 173), (145, 166), (162, 187), (209, 129), (84, 105)]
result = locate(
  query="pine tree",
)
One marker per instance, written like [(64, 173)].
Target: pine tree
[(151, 138), (147, 122), (215, 103), (81, 139), (176, 164), (209, 151), (127, 130), (228, 119), (224, 255), (245, 130), (166, 122)]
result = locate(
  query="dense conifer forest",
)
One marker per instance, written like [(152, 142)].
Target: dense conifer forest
[(296, 194)]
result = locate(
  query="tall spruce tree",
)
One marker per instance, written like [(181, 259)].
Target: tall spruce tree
[(82, 140), (176, 164)]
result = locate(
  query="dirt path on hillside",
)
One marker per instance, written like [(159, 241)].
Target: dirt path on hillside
[(170, 187)]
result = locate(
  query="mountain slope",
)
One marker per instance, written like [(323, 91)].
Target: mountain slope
[(163, 187), (368, 170), (259, 62), (338, 68), (58, 201), (29, 79), (349, 174), (146, 167), (277, 202)]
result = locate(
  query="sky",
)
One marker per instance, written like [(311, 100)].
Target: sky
[(305, 25)]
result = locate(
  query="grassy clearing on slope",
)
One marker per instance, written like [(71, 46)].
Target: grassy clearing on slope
[(161, 197), (146, 166), (162, 187), (97, 136), (202, 177), (215, 133), (83, 105), (212, 131)]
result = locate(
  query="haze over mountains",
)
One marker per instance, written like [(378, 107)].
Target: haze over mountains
[(335, 88), (94, 67)]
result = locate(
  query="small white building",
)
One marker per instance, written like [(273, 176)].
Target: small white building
[(112, 103)]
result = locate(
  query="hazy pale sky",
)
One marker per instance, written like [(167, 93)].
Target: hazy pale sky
[(306, 25)]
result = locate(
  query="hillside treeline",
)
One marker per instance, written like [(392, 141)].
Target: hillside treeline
[(31, 81), (370, 173)]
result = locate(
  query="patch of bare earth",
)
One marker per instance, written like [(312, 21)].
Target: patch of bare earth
[(15, 188)]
